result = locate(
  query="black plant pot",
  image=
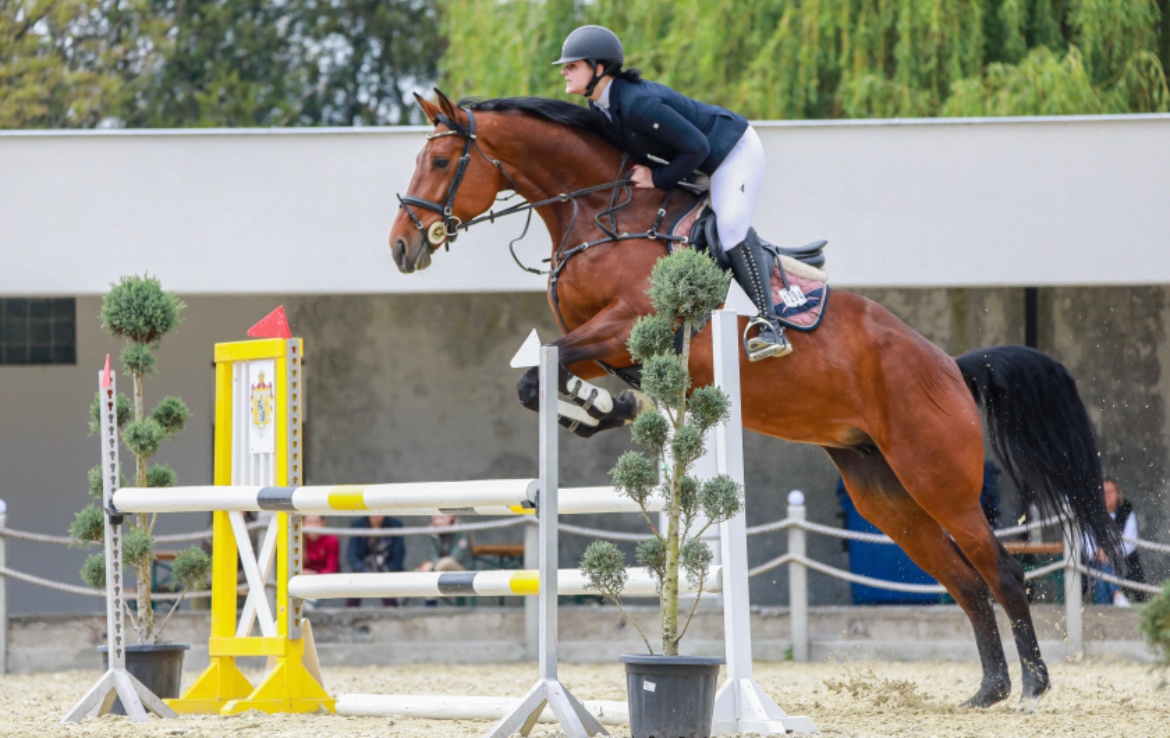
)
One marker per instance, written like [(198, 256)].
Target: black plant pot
[(670, 696), (158, 665)]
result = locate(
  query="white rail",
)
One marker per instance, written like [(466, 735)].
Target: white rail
[(524, 582)]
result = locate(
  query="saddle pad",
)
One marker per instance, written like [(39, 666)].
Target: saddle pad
[(812, 282), (804, 317)]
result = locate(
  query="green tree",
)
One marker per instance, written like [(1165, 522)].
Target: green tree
[(66, 63), (231, 63), (389, 49), (839, 58), (226, 63)]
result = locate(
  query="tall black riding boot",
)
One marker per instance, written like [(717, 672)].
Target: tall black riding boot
[(752, 267)]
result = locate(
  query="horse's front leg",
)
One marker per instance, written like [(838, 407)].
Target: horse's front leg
[(585, 408)]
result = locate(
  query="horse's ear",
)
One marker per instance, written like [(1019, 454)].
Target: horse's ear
[(447, 106), (430, 110)]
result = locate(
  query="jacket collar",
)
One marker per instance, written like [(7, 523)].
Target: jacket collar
[(615, 98)]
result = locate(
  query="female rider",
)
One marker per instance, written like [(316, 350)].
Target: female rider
[(649, 119)]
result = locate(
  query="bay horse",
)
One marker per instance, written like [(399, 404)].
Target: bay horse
[(899, 418)]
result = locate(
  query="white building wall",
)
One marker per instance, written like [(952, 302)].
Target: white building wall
[(903, 203)]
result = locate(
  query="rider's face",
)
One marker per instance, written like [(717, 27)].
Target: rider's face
[(577, 76)]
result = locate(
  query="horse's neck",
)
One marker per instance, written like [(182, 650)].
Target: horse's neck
[(547, 159)]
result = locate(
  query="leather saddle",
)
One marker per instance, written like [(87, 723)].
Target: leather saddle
[(704, 235)]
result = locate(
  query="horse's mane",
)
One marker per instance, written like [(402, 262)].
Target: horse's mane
[(558, 111)]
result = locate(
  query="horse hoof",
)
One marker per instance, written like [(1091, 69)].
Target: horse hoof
[(988, 696), (641, 400), (1028, 706)]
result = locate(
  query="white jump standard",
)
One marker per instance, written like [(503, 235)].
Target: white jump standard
[(116, 682)]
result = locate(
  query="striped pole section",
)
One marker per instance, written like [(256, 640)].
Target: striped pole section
[(474, 583), (478, 497)]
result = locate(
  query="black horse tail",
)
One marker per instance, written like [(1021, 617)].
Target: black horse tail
[(1038, 425)]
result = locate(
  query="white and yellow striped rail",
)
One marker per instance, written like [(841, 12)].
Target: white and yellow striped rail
[(478, 497)]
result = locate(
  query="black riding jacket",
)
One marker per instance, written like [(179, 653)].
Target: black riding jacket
[(650, 119)]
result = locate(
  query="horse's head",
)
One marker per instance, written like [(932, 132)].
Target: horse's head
[(449, 186)]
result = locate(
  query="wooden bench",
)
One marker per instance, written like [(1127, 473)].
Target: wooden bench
[(1049, 588), (497, 555)]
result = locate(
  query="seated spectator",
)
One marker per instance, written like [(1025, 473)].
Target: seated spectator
[(1105, 593), (322, 552), (448, 551), (375, 553)]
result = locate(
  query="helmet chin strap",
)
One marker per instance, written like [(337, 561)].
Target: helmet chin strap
[(593, 82)]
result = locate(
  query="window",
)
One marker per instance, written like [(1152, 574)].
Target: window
[(38, 330)]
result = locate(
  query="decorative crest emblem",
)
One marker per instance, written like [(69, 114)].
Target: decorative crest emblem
[(262, 404)]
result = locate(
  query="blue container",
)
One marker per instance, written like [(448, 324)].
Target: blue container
[(881, 561)]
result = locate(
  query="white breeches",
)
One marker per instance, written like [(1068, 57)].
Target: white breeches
[(735, 187)]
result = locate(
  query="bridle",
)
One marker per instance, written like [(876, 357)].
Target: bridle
[(447, 230)]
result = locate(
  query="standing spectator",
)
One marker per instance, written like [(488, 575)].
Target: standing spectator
[(449, 551), (375, 553), (322, 552), (1121, 510)]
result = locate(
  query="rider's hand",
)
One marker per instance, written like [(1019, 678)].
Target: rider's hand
[(643, 179)]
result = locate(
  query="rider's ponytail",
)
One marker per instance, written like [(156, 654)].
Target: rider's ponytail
[(630, 75)]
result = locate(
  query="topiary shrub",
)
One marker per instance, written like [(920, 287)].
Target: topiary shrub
[(1155, 624), (684, 288), (138, 310)]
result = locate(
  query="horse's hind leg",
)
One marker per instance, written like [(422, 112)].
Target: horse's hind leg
[(973, 535), (948, 491), (883, 501)]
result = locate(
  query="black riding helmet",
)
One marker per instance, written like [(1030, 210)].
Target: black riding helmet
[(596, 45)]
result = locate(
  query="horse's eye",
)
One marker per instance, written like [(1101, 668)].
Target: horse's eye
[(441, 162)]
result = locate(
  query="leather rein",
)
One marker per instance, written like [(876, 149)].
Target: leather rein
[(445, 231)]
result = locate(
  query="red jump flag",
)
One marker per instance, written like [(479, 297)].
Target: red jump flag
[(273, 325)]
